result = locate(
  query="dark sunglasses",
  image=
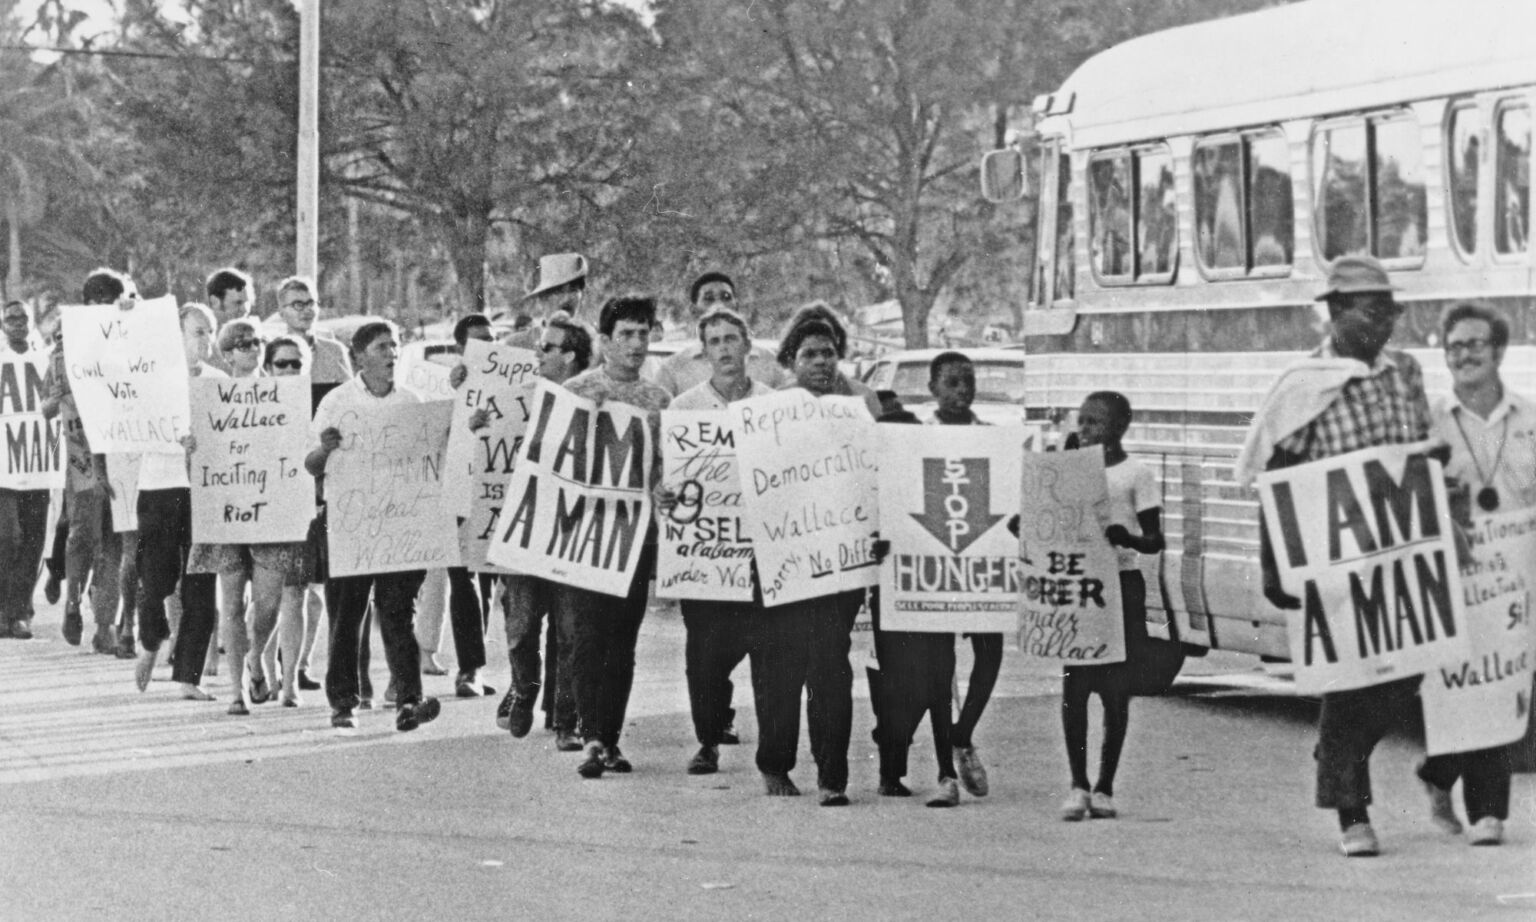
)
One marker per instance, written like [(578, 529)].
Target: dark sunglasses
[(288, 364)]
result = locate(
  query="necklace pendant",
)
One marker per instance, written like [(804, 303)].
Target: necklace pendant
[(1488, 499)]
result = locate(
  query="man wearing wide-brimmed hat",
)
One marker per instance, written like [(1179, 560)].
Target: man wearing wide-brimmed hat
[(558, 287), (1349, 394)]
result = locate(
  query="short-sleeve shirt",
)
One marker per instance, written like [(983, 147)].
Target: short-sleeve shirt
[(1132, 490), (1499, 451), (705, 397), (354, 395), (1387, 406), (688, 368)]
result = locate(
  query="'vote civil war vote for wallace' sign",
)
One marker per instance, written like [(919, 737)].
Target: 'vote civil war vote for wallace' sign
[(500, 381), (702, 551), (810, 507), (249, 485), (385, 511), (34, 450), (128, 373), (579, 501), (1483, 699), (1070, 608), (945, 494), (1364, 540)]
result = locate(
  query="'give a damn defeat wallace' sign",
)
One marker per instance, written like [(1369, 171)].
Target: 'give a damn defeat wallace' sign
[(1365, 541)]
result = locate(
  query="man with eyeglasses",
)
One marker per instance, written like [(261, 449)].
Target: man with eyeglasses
[(1351, 393), (298, 310), (565, 351), (1492, 434), (690, 367)]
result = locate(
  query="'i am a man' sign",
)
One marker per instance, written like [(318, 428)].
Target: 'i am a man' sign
[(1365, 541)]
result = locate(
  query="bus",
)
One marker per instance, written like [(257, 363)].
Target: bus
[(1195, 184)]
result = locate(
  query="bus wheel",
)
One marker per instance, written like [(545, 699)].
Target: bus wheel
[(1158, 663)]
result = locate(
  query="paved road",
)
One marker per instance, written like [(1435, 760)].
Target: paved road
[(124, 805)]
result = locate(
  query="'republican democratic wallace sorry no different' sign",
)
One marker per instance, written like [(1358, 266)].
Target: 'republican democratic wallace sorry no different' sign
[(1364, 540), (945, 494), (578, 503)]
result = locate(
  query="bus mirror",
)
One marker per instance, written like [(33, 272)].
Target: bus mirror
[(1002, 176)]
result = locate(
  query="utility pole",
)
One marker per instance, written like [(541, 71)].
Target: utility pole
[(307, 258)]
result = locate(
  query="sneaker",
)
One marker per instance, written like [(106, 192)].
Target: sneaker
[(343, 719), (1075, 807), (705, 762), (1359, 841), (504, 710), (614, 761), (894, 788), (411, 716), (1487, 831), (777, 784), (1101, 806), (973, 775), (568, 741), (948, 794), (832, 797), (1442, 812), (465, 686), (592, 766), (73, 624)]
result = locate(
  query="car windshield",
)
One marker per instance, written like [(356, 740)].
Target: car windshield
[(996, 382)]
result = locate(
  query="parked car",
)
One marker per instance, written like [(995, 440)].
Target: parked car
[(999, 381)]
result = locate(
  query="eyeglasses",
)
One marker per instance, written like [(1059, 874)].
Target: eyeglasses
[(245, 345), (299, 305), (288, 364), (1468, 346)]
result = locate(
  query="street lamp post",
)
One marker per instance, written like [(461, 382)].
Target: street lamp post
[(307, 257)]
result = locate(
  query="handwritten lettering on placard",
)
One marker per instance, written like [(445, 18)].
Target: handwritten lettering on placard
[(579, 495), (500, 381), (808, 468), (703, 551), (384, 492), (1483, 699), (128, 373), (1364, 540), (249, 485), (1071, 608), (34, 451), (945, 492)]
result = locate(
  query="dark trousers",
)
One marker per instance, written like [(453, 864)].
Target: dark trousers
[(527, 602), (601, 631), (56, 553), (829, 681), (916, 674), (23, 532), (165, 537), (468, 618), (1484, 775), (717, 641), (394, 601), (1349, 726), (986, 663)]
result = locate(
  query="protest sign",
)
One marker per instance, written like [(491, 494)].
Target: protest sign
[(123, 481), (1070, 608), (945, 494), (384, 492), (128, 373), (702, 552), (1483, 699), (34, 448), (500, 381), (579, 494), (1364, 541), (808, 487), (428, 377), (249, 485)]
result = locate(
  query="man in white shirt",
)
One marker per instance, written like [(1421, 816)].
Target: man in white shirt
[(23, 513), (394, 594), (690, 367), (1492, 435)]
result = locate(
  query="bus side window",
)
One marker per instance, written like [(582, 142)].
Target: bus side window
[(1271, 205), (1244, 211), (1157, 220), (1109, 184), (1465, 140), (1219, 205), (1402, 210), (1339, 175), (1512, 173), (1066, 251), (1369, 194)]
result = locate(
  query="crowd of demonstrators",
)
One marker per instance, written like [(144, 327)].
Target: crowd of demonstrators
[(1352, 393)]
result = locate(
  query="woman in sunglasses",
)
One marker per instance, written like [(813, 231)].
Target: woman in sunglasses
[(285, 356)]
